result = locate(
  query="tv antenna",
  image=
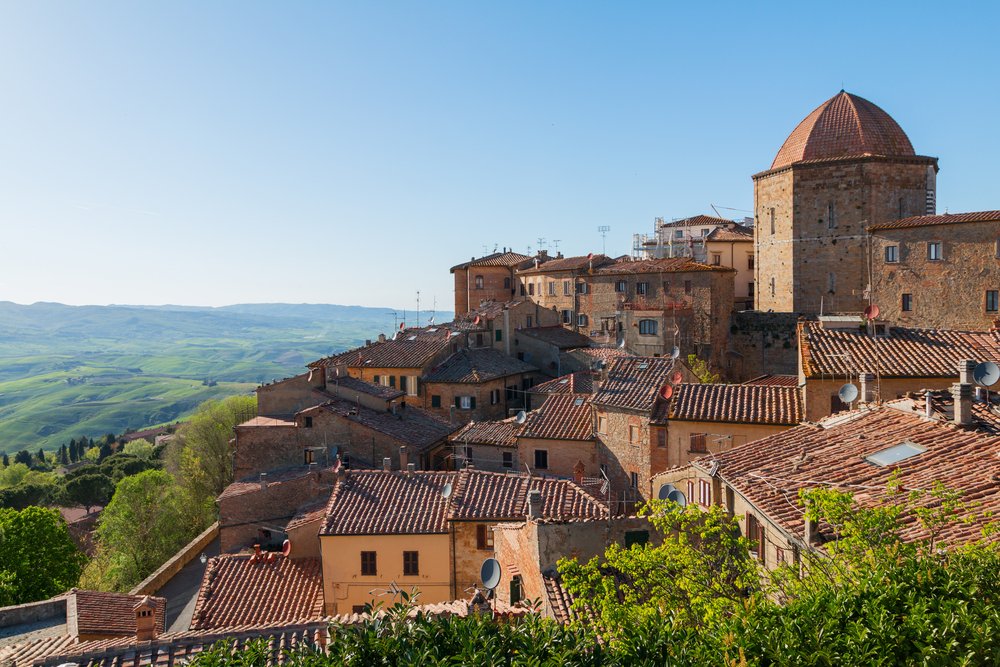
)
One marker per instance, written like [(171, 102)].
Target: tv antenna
[(555, 245), (603, 231), (418, 309), (541, 242)]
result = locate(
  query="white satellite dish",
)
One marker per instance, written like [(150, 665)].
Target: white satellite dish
[(446, 490), (521, 417), (986, 374), (490, 573), (665, 491), (675, 352), (677, 497), (848, 393), (621, 345)]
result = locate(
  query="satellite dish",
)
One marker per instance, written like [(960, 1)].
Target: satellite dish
[(475, 320), (871, 312), (521, 417), (431, 320), (665, 491), (848, 393), (446, 490), (396, 335), (677, 377), (286, 548), (675, 352), (590, 255), (490, 573), (676, 496), (621, 345), (986, 374), (666, 391)]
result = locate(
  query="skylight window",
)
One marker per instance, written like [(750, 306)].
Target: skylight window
[(412, 338), (578, 402), (895, 454), (643, 366), (432, 330), (564, 381)]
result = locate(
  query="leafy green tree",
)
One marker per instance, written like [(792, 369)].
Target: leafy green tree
[(64, 455), (23, 456), (13, 474), (201, 456), (27, 494), (93, 455), (141, 448), (38, 559), (701, 369), (6, 460), (74, 455), (89, 490)]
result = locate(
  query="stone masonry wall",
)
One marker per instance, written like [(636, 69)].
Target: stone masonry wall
[(761, 343)]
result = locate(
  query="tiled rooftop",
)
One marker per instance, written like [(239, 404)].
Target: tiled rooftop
[(505, 258), (559, 336), (410, 426), (500, 433), (775, 380), (736, 233), (583, 262), (560, 600), (581, 382), (903, 353), (267, 421), (367, 502), (736, 403), (844, 126), (985, 415), (668, 265), (100, 613), (410, 348), (363, 387), (697, 221), (245, 588), (600, 353), (491, 309), (634, 382), (476, 365), (561, 417), (943, 219), (252, 484), (770, 472)]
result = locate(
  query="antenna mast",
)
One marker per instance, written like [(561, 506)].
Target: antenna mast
[(603, 231), (418, 309)]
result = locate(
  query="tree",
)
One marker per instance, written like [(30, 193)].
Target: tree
[(104, 452), (89, 490), (73, 454), (141, 448), (41, 456), (702, 370), (64, 455), (23, 456), (38, 559), (13, 474), (201, 456), (6, 460)]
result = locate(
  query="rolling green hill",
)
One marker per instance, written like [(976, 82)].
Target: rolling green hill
[(67, 371)]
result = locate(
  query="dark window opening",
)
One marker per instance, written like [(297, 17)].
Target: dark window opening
[(368, 564)]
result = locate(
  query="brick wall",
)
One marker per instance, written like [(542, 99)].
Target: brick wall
[(484, 410), (497, 285), (286, 397), (468, 557), (624, 457), (563, 456)]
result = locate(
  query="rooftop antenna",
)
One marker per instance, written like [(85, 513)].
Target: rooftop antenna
[(541, 242), (418, 309), (555, 245), (603, 231), (871, 313), (986, 374)]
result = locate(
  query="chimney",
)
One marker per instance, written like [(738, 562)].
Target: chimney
[(256, 553), (404, 457), (387, 463), (368, 342), (263, 481), (145, 620), (962, 395), (411, 468), (534, 504), (928, 404), (808, 531), (965, 368), (867, 388)]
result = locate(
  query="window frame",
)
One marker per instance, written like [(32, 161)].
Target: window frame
[(906, 302), (484, 537), (648, 327), (935, 251), (543, 458), (992, 301), (893, 256), (480, 282), (642, 288), (411, 563), (369, 563)]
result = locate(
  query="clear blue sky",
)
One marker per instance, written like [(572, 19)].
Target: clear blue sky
[(219, 152)]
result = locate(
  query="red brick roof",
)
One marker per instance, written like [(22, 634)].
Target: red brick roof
[(99, 613), (775, 380), (634, 383), (943, 219), (736, 403), (364, 387), (242, 588), (770, 472), (735, 233), (411, 348), (697, 221), (557, 335), (581, 382), (985, 415), (903, 353), (561, 417), (844, 126), (666, 265), (508, 259), (252, 484), (568, 264), (601, 353), (501, 433), (377, 502), (472, 366), (410, 426)]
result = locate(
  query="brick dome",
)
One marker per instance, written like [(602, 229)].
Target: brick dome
[(844, 126)]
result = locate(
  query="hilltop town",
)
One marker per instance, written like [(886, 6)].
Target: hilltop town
[(845, 336)]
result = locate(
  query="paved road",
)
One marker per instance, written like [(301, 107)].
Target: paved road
[(182, 591)]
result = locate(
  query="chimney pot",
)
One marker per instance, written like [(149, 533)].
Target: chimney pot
[(534, 504), (928, 404), (263, 481), (965, 369), (411, 468), (386, 463), (404, 457), (962, 396), (145, 620), (867, 388)]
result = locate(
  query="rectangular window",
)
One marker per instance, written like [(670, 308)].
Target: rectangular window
[(498, 335), (506, 283), (508, 459), (566, 288), (479, 282), (515, 589), (465, 402), (755, 535), (891, 254), (468, 455), (699, 442), (581, 288), (484, 537), (704, 233), (402, 383), (581, 320), (831, 282), (992, 300), (678, 233), (772, 219), (666, 286), (567, 317), (633, 434), (687, 286), (411, 563), (358, 608), (528, 322), (639, 537), (368, 564), (831, 216), (633, 480), (750, 289), (641, 288), (436, 401), (907, 303), (309, 420), (934, 251), (661, 437), (392, 381), (621, 286), (647, 327), (531, 289), (521, 290), (750, 261), (716, 259), (552, 288), (494, 396), (704, 492), (479, 340), (308, 456), (602, 425), (376, 379), (690, 491), (996, 251), (541, 459)]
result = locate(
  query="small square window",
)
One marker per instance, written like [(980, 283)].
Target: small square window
[(891, 254), (435, 401), (541, 459), (934, 251), (484, 536), (699, 442)]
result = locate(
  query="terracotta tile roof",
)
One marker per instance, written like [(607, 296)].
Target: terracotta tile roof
[(410, 426), (561, 417), (25, 653), (560, 600), (373, 502), (252, 484), (244, 588), (377, 502), (697, 221), (903, 353), (775, 380), (494, 496), (267, 421), (558, 336), (100, 613), (458, 608), (985, 415), (581, 382), (667, 265), (770, 472), (476, 365), (509, 259), (177, 648), (600, 353), (501, 433), (364, 387), (410, 348), (311, 512), (736, 403), (844, 126), (568, 264), (735, 233), (491, 309), (943, 219), (634, 383)]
